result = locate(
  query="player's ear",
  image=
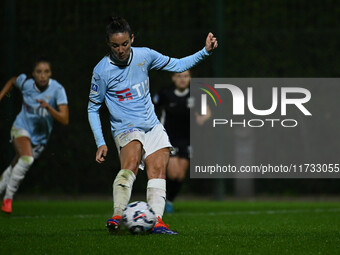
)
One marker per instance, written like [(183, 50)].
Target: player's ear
[(132, 38)]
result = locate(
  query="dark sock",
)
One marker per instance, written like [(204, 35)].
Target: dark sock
[(172, 189)]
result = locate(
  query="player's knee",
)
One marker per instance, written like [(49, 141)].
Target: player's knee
[(131, 165), (26, 161), (24, 164), (172, 174), (160, 164), (156, 172)]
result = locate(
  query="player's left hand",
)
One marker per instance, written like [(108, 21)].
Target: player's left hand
[(42, 103), (101, 154), (211, 43)]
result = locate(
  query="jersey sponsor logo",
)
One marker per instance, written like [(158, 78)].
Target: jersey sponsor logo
[(141, 87), (94, 89), (124, 94), (43, 112)]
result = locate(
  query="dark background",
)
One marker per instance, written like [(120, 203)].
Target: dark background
[(256, 39)]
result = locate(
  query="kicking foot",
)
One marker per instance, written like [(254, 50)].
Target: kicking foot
[(6, 205), (161, 228), (113, 223)]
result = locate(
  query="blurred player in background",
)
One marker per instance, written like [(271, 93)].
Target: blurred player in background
[(44, 100), (121, 80), (176, 103)]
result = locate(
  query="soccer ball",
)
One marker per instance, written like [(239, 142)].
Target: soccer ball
[(138, 217)]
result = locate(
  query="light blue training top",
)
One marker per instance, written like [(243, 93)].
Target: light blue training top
[(125, 89), (33, 118)]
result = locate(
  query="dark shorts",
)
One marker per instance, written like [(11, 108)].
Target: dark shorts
[(182, 148)]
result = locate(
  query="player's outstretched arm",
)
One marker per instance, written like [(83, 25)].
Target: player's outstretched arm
[(8, 86), (161, 62), (61, 115)]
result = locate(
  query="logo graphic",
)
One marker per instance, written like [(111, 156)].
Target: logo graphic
[(239, 99), (142, 65), (280, 99), (204, 97), (121, 96), (142, 215), (94, 88)]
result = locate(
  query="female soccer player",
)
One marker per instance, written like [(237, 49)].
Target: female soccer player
[(44, 100), (121, 79), (175, 103)]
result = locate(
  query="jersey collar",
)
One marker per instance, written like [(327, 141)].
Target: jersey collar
[(116, 62), (181, 93), (37, 89)]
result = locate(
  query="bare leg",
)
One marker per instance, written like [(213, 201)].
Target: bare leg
[(177, 168), (23, 146), (156, 163), (130, 156)]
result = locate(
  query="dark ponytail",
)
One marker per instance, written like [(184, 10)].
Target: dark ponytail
[(117, 25)]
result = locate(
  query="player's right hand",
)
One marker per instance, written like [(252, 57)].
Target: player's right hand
[(101, 154)]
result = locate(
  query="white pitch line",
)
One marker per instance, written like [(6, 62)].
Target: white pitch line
[(284, 211), (269, 212), (61, 216)]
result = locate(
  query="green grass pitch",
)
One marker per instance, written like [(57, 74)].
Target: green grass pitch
[(77, 227)]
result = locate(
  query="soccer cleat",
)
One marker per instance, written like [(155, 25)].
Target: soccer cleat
[(168, 207), (6, 205), (112, 224), (161, 228)]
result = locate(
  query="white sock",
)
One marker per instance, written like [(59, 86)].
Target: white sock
[(18, 174), (122, 187), (156, 195), (4, 178)]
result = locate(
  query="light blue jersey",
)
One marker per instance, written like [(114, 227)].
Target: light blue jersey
[(33, 118), (125, 89)]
